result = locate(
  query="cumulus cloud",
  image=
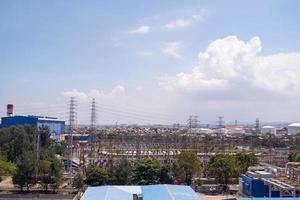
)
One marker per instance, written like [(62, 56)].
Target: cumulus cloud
[(172, 49), (117, 91), (140, 30), (182, 23), (228, 63)]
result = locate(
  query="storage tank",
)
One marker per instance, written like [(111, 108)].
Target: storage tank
[(268, 130), (294, 128)]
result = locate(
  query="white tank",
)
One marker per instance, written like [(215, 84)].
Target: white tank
[(294, 129), (268, 130)]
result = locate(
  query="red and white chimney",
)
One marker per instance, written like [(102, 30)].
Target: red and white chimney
[(10, 110)]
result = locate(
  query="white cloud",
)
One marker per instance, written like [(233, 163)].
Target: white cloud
[(231, 64), (172, 49), (140, 30), (118, 91), (182, 23)]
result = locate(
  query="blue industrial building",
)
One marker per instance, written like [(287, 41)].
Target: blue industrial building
[(254, 187), (260, 184), (55, 126)]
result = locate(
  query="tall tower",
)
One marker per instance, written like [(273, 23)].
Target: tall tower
[(72, 120), (193, 122), (257, 125), (93, 120), (220, 122)]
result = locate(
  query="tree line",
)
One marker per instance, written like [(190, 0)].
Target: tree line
[(183, 170)]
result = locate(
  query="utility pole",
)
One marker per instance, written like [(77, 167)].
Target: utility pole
[(37, 148), (220, 124), (257, 126), (72, 120)]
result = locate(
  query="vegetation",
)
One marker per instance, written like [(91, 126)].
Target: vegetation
[(294, 157), (96, 176), (78, 182), (119, 173), (17, 157), (245, 160), (145, 172), (189, 165), (164, 176), (25, 171), (223, 167)]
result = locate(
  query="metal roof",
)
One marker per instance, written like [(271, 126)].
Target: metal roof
[(169, 192), (149, 192), (107, 193)]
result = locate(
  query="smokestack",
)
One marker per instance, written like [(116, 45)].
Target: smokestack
[(10, 109)]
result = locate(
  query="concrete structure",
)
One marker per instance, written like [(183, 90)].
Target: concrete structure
[(294, 129), (55, 126), (148, 192), (268, 130)]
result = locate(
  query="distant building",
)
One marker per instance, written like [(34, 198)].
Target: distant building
[(294, 129), (268, 130), (55, 126)]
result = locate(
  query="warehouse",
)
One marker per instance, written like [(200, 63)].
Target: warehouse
[(149, 192), (55, 126)]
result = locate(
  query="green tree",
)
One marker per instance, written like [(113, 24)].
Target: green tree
[(6, 168), (96, 176), (119, 174), (145, 172), (164, 176), (245, 160), (294, 157), (56, 172), (223, 167), (45, 173), (19, 142), (189, 163), (177, 173), (25, 171), (78, 182)]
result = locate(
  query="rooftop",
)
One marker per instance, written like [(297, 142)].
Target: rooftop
[(149, 192)]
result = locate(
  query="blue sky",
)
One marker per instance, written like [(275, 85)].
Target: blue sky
[(129, 54)]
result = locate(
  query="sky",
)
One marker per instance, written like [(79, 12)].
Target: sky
[(150, 62)]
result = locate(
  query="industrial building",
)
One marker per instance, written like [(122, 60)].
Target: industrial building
[(148, 192), (268, 130), (270, 181), (55, 126)]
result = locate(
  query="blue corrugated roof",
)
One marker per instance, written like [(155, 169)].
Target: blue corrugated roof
[(106, 193), (169, 192), (149, 192)]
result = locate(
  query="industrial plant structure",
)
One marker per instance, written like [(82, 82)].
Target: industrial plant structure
[(55, 126)]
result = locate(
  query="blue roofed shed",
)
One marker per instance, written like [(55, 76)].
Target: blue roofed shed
[(110, 193), (149, 192), (168, 192)]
